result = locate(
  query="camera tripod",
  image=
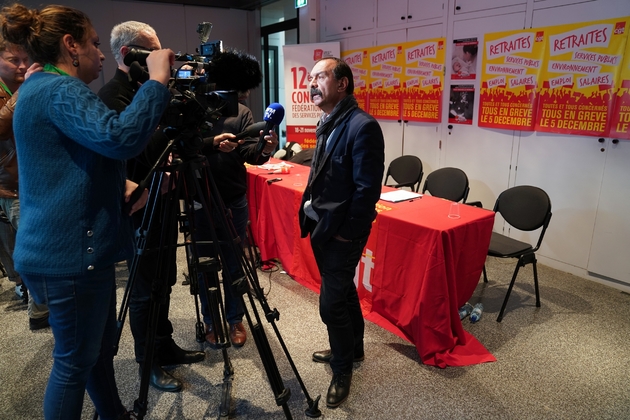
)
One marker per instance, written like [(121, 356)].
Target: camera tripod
[(191, 189)]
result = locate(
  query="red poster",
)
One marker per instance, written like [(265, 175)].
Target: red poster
[(620, 121), (385, 72), (461, 104), (423, 81), (359, 64), (464, 59), (579, 77), (301, 114), (512, 62)]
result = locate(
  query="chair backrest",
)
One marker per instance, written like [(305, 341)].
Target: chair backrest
[(526, 208), (406, 171), (449, 183)]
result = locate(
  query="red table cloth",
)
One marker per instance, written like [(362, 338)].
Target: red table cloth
[(418, 267)]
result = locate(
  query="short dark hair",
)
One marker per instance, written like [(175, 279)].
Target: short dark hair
[(341, 70)]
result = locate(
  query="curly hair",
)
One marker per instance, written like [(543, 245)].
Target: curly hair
[(39, 32)]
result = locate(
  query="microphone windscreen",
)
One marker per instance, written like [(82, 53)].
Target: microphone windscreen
[(235, 70), (274, 113)]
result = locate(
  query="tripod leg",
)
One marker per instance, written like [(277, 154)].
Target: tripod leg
[(281, 393), (272, 316)]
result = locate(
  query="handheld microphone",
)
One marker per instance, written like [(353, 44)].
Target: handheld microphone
[(250, 131), (273, 117), (136, 54)]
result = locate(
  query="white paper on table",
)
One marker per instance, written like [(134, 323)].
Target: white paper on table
[(399, 195)]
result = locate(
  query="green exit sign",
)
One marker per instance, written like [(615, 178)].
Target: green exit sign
[(300, 3)]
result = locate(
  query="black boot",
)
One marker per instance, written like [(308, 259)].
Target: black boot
[(171, 354), (162, 380), (339, 389)]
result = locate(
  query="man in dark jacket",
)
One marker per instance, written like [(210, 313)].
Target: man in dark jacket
[(117, 94), (338, 208)]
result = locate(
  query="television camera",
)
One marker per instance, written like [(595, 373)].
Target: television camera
[(204, 87)]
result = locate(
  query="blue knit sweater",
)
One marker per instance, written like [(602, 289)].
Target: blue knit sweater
[(71, 153)]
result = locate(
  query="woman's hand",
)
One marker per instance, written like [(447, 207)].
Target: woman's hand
[(34, 68), (159, 63)]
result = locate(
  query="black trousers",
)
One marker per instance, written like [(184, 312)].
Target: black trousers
[(339, 306), (153, 272)]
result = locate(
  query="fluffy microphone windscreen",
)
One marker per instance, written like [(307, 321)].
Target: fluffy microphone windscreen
[(235, 70)]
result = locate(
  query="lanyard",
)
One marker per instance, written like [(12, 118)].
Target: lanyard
[(5, 88), (52, 69)]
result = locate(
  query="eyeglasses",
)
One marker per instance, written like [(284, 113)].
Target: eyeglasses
[(140, 47)]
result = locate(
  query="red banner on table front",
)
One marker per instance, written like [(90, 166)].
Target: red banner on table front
[(418, 266), (582, 64)]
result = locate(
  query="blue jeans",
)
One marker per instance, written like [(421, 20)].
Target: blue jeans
[(339, 306), (83, 321), (234, 310)]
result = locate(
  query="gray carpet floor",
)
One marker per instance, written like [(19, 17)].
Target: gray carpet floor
[(569, 359)]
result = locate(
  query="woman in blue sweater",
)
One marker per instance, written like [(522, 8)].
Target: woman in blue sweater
[(71, 152)]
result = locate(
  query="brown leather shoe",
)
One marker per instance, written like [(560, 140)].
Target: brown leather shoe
[(210, 338), (238, 336)]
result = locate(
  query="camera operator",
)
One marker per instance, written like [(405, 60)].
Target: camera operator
[(117, 95), (235, 71)]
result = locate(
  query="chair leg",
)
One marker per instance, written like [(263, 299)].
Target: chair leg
[(536, 283), (507, 295), (485, 276)]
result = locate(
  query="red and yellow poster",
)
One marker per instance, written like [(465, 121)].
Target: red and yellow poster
[(360, 65), (423, 80), (386, 70), (512, 62), (301, 114), (582, 65), (620, 120)]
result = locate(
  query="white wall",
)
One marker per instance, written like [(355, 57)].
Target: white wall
[(589, 234)]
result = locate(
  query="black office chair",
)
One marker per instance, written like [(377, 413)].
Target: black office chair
[(525, 208), (406, 171), (449, 183)]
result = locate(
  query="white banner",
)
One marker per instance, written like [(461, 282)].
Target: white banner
[(300, 112)]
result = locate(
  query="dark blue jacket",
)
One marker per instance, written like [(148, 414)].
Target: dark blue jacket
[(346, 184)]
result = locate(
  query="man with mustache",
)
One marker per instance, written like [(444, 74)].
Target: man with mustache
[(338, 208)]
